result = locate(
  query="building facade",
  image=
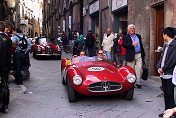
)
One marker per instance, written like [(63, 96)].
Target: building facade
[(59, 15), (149, 17), (28, 16)]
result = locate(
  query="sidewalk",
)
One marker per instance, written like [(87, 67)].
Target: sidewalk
[(15, 90)]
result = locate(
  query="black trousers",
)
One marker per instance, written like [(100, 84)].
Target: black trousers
[(19, 60), (91, 51), (4, 91), (168, 89)]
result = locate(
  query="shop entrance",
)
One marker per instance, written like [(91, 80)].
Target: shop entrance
[(121, 20), (159, 41)]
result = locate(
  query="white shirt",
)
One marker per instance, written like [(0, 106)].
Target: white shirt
[(108, 42), (174, 76), (163, 61)]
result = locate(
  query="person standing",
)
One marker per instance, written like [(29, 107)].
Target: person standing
[(166, 66), (22, 49), (134, 52), (108, 43), (116, 48), (70, 36), (64, 41), (122, 53), (80, 41), (5, 62), (90, 42)]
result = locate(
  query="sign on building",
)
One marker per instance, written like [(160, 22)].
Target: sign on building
[(63, 25), (70, 22), (94, 7), (84, 11), (117, 4)]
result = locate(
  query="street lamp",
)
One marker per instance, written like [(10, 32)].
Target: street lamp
[(11, 6)]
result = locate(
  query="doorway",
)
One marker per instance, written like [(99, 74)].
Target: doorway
[(159, 41)]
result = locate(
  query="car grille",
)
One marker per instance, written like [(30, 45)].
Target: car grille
[(49, 50), (105, 86)]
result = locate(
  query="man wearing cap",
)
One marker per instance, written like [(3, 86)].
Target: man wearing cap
[(134, 52)]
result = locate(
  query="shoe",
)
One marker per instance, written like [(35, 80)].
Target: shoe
[(161, 115), (23, 88), (4, 110), (139, 86)]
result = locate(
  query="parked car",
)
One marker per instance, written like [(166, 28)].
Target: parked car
[(45, 46), (89, 76)]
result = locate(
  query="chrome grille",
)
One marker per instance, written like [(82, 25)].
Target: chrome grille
[(105, 86), (49, 50)]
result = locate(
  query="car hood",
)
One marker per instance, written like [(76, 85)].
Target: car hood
[(99, 71)]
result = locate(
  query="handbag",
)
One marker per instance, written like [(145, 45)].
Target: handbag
[(145, 71)]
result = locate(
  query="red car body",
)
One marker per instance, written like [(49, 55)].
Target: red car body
[(98, 78), (45, 46)]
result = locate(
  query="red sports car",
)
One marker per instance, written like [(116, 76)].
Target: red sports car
[(46, 46), (89, 76)]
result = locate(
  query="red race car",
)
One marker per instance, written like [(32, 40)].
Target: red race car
[(90, 76), (46, 46)]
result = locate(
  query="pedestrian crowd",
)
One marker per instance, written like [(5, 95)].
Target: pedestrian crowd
[(14, 47), (123, 49), (127, 49)]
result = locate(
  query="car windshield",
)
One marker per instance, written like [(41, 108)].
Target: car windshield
[(85, 58), (46, 40)]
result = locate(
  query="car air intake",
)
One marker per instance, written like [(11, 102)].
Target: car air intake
[(105, 86)]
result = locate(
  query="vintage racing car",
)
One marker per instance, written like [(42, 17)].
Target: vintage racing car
[(89, 76), (46, 46)]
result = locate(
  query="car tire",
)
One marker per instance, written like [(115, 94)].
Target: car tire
[(25, 73), (71, 92), (129, 94), (63, 81), (33, 55)]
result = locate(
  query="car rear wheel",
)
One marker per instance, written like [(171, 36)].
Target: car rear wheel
[(129, 94), (71, 92)]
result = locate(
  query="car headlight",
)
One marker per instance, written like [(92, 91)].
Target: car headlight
[(77, 80), (131, 78), (58, 49), (39, 49)]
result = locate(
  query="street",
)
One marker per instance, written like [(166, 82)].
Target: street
[(47, 98)]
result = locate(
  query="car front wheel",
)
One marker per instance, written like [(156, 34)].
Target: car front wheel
[(71, 92), (129, 94)]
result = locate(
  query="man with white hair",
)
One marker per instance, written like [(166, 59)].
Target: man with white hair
[(134, 52)]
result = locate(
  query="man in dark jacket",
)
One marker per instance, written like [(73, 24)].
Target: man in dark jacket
[(89, 42), (64, 41), (166, 66), (5, 60), (134, 52)]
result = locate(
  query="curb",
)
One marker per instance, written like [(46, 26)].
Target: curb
[(15, 90)]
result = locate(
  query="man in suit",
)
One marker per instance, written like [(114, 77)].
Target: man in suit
[(134, 52), (166, 66)]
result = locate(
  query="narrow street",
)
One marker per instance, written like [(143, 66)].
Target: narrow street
[(47, 98)]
